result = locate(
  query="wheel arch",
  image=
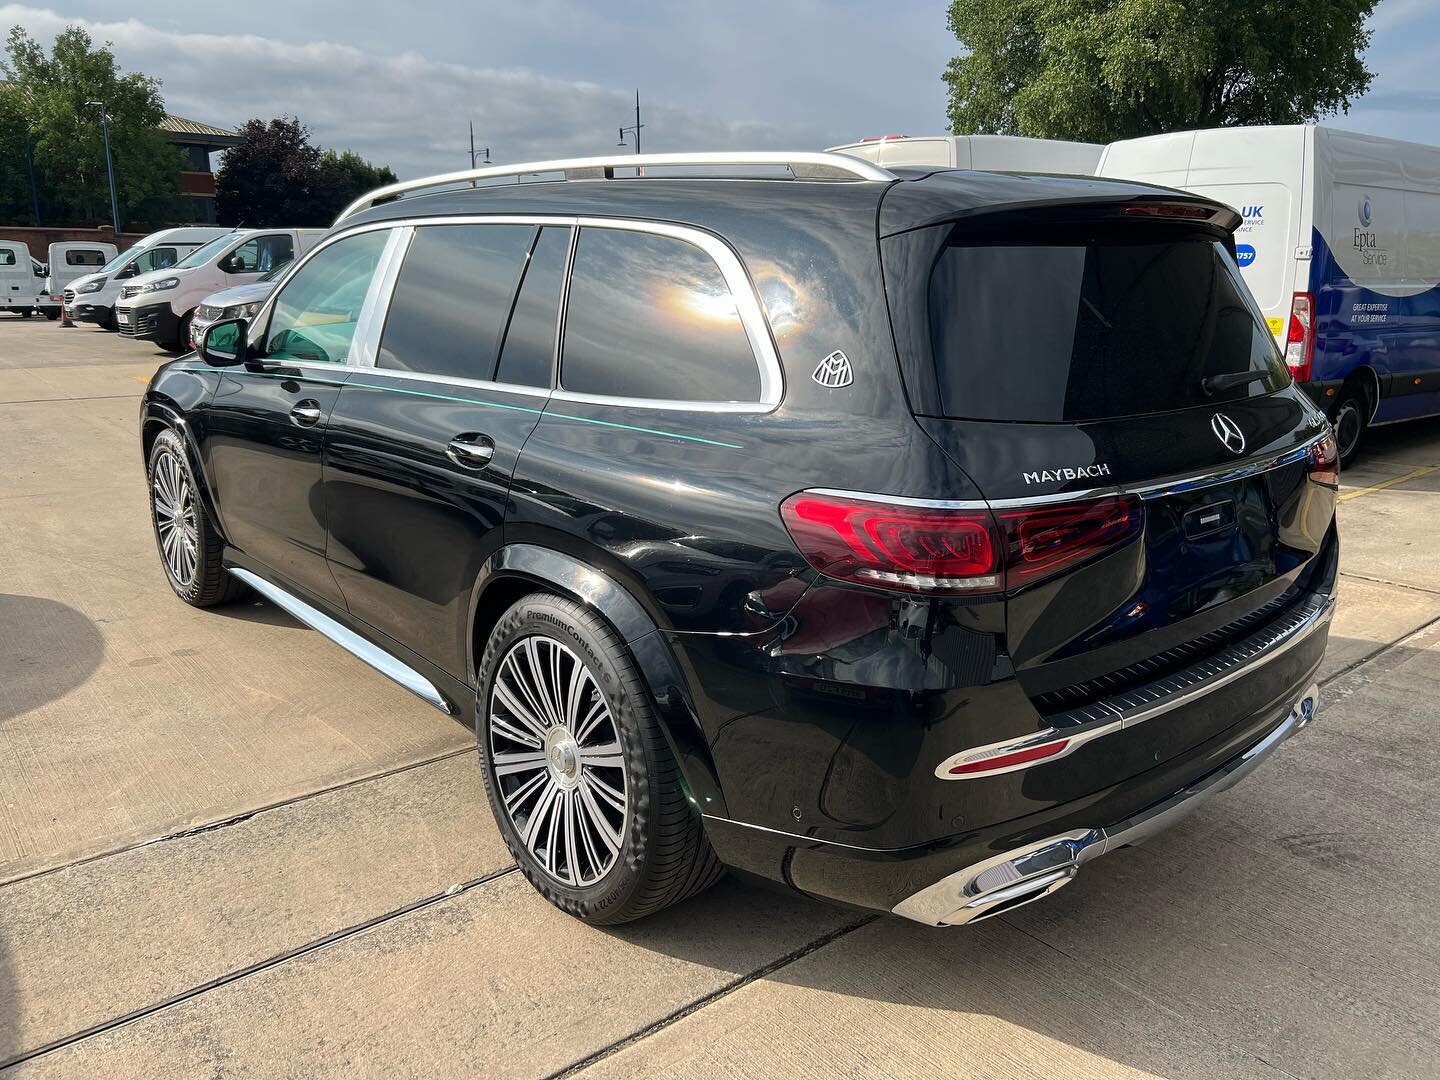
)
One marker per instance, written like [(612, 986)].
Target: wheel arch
[(517, 570), (157, 416), (1368, 379)]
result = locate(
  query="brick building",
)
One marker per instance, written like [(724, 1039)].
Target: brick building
[(197, 181)]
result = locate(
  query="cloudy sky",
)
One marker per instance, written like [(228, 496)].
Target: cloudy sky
[(555, 78)]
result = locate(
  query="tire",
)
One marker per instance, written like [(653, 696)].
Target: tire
[(1350, 419), (182, 332), (568, 833), (190, 549), (26, 313)]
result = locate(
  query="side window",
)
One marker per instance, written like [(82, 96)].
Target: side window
[(452, 298), (156, 259), (243, 259), (7, 257), (274, 251), (652, 317), (85, 257), (530, 339), (315, 314)]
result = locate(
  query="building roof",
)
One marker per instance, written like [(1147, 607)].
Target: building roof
[(182, 130)]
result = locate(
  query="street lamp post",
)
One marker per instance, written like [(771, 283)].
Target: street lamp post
[(472, 147), (633, 130), (109, 166)]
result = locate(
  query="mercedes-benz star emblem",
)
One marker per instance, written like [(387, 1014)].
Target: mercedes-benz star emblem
[(1228, 432)]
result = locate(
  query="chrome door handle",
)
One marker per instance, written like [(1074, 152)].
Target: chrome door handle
[(306, 413), (470, 451)]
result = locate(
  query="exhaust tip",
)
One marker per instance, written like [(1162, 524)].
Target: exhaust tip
[(1305, 709)]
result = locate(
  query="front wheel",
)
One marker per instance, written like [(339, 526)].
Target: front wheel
[(579, 775), (190, 548), (182, 331), (1350, 420)]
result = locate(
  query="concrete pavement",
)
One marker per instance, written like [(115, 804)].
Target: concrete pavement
[(228, 847)]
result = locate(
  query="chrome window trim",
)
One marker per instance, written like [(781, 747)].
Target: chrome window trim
[(457, 380)]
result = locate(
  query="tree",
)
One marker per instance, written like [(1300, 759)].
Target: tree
[(49, 93), (1100, 70), (276, 176)]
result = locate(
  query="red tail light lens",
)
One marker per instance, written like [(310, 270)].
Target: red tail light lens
[(898, 547), (924, 549), (1324, 461), (1300, 339)]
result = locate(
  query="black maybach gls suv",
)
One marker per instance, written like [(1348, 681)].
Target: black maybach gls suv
[(910, 538)]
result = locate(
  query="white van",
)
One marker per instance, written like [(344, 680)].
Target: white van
[(989, 153), (91, 298), (158, 306), (1341, 248), (70, 259), (22, 278)]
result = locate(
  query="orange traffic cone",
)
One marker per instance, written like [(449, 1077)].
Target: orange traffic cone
[(65, 322)]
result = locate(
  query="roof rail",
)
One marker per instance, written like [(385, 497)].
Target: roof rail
[(804, 165)]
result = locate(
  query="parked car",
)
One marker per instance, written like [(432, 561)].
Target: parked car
[(91, 297), (22, 281), (158, 306), (1339, 245), (238, 302), (910, 538)]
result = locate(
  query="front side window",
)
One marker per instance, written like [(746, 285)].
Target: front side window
[(452, 299), (315, 314), (259, 255), (84, 257), (159, 258), (652, 316)]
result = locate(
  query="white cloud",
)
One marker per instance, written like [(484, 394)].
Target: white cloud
[(403, 110)]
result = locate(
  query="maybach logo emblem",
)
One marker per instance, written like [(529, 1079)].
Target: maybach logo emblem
[(1065, 473), (834, 371)]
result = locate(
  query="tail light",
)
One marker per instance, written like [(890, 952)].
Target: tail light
[(1323, 462), (937, 549), (1300, 338)]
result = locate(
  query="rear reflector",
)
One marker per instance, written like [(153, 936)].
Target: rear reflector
[(1002, 762), (938, 549)]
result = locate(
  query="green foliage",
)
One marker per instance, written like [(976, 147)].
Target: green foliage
[(278, 177), (1100, 70), (50, 91)]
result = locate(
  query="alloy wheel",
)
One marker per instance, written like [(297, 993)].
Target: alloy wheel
[(558, 762), (176, 523)]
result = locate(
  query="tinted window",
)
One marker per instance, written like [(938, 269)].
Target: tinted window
[(84, 258), (315, 313), (452, 298), (530, 339), (1085, 331), (651, 317)]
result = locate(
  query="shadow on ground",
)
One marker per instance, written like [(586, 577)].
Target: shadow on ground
[(47, 649)]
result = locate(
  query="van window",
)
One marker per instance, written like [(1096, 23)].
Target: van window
[(7, 257), (452, 298), (157, 258), (652, 317), (529, 347), (258, 255), (1092, 330), (84, 257), (315, 313)]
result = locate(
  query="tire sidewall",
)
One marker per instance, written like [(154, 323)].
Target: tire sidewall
[(1350, 403), (167, 442), (555, 618)]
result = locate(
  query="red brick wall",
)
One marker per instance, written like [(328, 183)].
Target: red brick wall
[(39, 240)]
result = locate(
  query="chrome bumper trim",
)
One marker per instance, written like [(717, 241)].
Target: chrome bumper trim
[(1076, 727), (348, 640), (1028, 873)]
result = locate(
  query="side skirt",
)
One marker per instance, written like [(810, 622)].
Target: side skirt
[(350, 641)]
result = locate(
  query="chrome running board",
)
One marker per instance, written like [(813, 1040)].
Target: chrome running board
[(348, 640)]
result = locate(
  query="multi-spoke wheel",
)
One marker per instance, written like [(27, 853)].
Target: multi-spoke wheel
[(582, 782), (190, 549)]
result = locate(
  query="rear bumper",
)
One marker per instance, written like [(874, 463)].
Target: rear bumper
[(1036, 870)]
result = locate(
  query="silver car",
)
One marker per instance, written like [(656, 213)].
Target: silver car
[(239, 302)]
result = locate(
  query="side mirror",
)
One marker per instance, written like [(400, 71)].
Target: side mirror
[(223, 344), (130, 270)]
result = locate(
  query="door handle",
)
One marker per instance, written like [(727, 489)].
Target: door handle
[(306, 413), (471, 450)]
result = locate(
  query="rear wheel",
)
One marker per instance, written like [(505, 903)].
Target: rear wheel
[(580, 778), (182, 331), (26, 313), (1350, 419), (190, 548)]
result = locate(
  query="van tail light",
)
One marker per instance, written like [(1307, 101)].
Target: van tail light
[(1300, 338), (939, 549), (1323, 461)]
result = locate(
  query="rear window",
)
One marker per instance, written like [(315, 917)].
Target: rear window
[(84, 257), (1090, 330)]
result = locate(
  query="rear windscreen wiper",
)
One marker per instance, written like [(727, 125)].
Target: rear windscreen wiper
[(1212, 383)]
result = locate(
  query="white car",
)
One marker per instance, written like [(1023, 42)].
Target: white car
[(91, 298), (158, 306)]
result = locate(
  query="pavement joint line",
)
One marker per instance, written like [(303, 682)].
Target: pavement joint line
[(1413, 474), (236, 819), (1387, 581), (88, 397), (738, 983), (1378, 653), (255, 968)]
